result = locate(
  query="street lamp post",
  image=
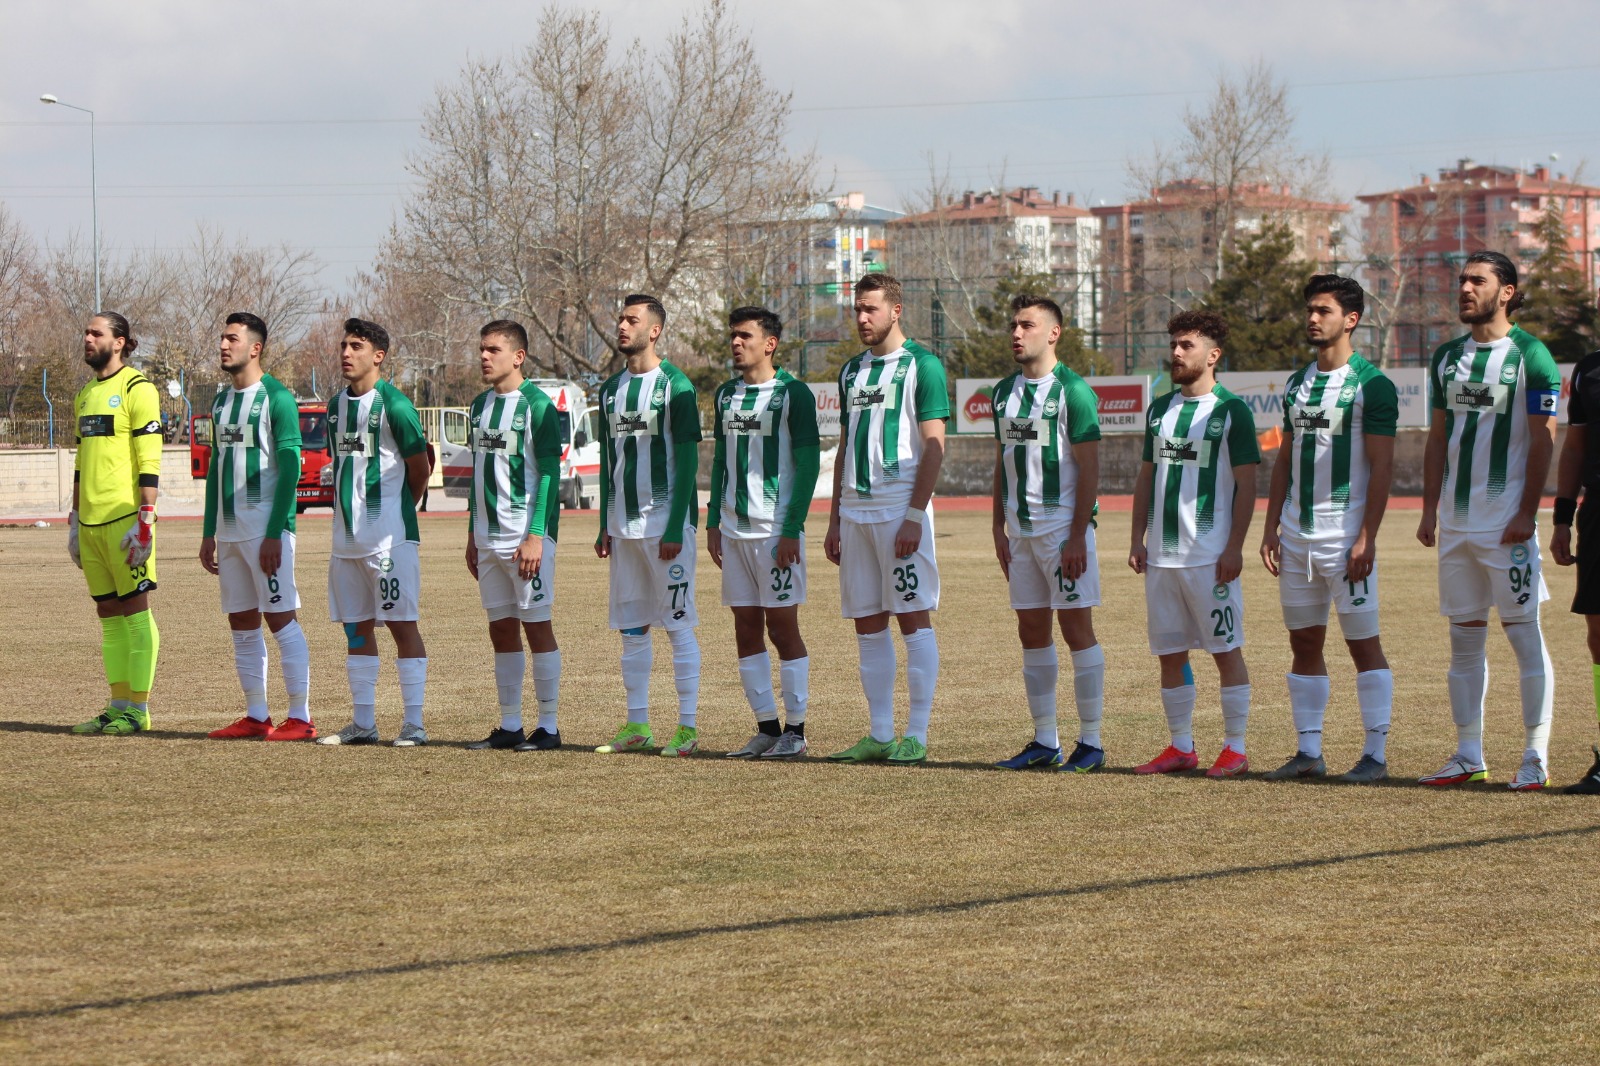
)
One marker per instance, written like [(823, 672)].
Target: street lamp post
[(94, 189)]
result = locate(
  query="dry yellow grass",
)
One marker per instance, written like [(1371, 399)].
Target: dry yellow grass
[(172, 899)]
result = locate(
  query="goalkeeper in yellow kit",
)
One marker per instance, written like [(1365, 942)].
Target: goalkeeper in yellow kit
[(111, 530)]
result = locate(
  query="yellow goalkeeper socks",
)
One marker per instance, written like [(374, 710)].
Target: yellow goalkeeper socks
[(114, 654), (144, 641)]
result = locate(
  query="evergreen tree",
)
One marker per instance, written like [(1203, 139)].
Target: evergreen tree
[(986, 350), (1560, 307), (1261, 297)]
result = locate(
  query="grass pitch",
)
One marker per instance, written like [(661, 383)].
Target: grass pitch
[(173, 899)]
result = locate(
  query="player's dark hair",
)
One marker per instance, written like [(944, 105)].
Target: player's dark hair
[(887, 284), (1352, 298), (651, 304), (370, 332), (769, 322), (507, 328), (1024, 300), (1504, 269), (257, 328), (120, 328), (1208, 324)]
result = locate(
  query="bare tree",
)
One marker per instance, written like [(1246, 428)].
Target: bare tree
[(555, 182)]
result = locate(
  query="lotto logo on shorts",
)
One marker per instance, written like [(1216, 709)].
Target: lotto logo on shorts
[(386, 564), (1220, 592), (1519, 553), (675, 571)]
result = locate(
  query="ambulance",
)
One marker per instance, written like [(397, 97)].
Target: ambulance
[(580, 450)]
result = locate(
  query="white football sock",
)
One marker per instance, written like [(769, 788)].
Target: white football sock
[(362, 673), (413, 683), (637, 658), (1089, 688), (686, 673), (1308, 704), (294, 659), (1235, 715), (509, 667), (1538, 696), (1468, 677), (250, 662), (1041, 667), (795, 676), (755, 673), (878, 667), (547, 687), (1178, 703), (1375, 693), (922, 673)]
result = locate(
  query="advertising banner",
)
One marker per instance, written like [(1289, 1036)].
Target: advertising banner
[(1262, 391), (1122, 403), (827, 394)]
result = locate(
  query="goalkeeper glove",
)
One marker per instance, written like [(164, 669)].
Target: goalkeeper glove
[(140, 540), (72, 539)]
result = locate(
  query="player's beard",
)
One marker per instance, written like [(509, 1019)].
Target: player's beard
[(1478, 318), (1320, 343), (99, 356), (632, 347), (870, 336), (1183, 375)]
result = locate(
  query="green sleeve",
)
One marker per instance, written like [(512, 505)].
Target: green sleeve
[(604, 429), (1539, 367), (547, 453), (807, 467), (719, 463), (1083, 413), (1380, 406), (1242, 445), (998, 397), (685, 505), (404, 424), (286, 443), (208, 527), (683, 411), (1150, 434), (1288, 391), (933, 388), (844, 413), (1435, 385)]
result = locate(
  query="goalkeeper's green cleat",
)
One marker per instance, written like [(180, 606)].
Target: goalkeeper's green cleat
[(865, 750), (97, 723), (909, 752), (131, 720), (635, 736), (686, 741)]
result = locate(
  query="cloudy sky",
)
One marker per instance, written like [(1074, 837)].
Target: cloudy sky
[(290, 121)]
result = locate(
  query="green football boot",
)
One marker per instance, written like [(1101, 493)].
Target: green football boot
[(635, 736), (909, 752), (98, 723), (131, 720), (865, 750), (686, 741)]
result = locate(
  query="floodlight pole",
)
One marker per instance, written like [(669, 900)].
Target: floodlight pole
[(94, 189)]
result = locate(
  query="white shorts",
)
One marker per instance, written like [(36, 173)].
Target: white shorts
[(645, 591), (504, 592), (872, 580), (385, 587), (1037, 581), (1185, 608), (245, 588), (1313, 576), (1477, 572), (751, 576)]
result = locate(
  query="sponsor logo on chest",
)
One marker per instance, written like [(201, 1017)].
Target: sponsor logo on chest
[(1482, 397), (97, 425), (351, 444), (235, 434), (1023, 432), (1181, 451), (1325, 419), (747, 423), (635, 423), (874, 397)]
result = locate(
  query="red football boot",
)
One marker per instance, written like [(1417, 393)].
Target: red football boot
[(293, 729), (1170, 761), (243, 729)]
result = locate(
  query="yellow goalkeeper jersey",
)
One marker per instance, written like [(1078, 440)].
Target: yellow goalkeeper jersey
[(119, 442)]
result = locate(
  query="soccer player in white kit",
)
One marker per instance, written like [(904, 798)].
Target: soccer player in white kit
[(248, 538), (380, 473), (763, 474), (1046, 474), (1495, 392), (1194, 497), (649, 433), (893, 401), (1330, 487), (512, 514)]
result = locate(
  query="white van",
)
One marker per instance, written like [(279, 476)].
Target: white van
[(580, 451)]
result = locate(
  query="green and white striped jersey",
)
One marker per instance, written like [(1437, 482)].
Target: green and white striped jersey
[(1486, 393), (1326, 420), (1036, 423), (1195, 442), (515, 439), (372, 435), (251, 430), (881, 401), (644, 419), (757, 430)]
